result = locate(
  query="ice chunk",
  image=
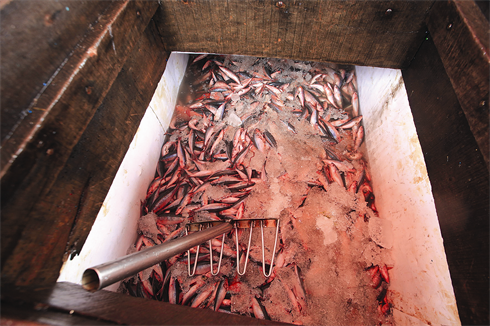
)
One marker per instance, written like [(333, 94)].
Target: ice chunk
[(327, 226), (381, 232), (148, 227), (233, 120)]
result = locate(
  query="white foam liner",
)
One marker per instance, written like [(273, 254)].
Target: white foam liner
[(421, 289)]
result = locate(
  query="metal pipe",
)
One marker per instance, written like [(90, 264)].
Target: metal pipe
[(100, 276)]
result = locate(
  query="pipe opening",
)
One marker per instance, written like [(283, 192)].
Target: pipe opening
[(90, 280)]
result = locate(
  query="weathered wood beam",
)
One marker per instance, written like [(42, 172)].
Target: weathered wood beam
[(374, 33), (461, 34), (121, 308), (35, 222), (96, 158), (459, 179), (22, 313), (36, 38), (79, 191)]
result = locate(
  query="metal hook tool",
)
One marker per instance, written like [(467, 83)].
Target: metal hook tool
[(108, 273), (237, 224)]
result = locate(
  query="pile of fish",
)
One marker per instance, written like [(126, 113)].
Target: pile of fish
[(256, 138)]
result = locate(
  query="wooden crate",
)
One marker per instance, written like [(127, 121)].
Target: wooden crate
[(77, 77)]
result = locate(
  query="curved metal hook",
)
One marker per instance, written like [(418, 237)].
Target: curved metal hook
[(220, 256), (263, 249), (189, 257), (238, 250)]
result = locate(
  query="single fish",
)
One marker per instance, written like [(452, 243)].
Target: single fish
[(300, 94), (355, 104), (258, 310), (213, 207), (220, 296), (230, 74), (200, 57), (270, 139), (359, 138)]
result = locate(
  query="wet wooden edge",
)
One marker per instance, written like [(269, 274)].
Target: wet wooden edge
[(66, 108), (461, 34), (120, 308), (459, 180)]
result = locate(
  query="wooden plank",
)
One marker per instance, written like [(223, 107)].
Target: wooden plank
[(35, 225), (36, 38), (484, 7), (459, 180), (461, 34), (308, 30), (78, 192), (123, 309), (23, 314), (96, 159)]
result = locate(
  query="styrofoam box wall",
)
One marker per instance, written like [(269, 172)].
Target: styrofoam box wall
[(420, 286)]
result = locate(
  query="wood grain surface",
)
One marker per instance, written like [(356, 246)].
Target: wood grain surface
[(41, 194), (120, 308), (459, 180), (36, 39), (24, 314), (96, 158), (461, 34), (374, 33)]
